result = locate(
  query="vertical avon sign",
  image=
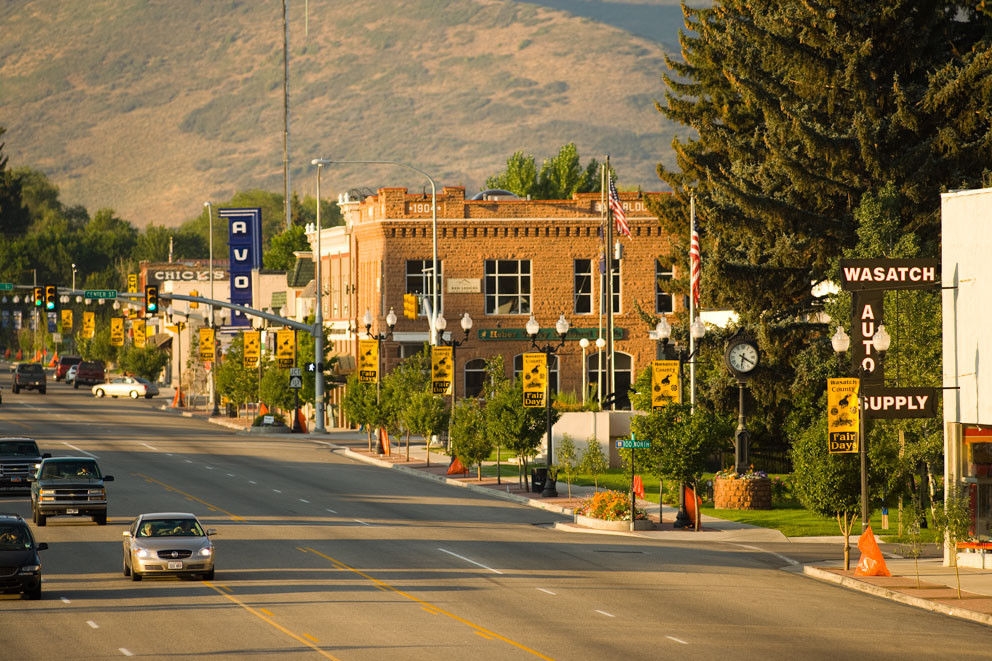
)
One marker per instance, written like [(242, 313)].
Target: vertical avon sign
[(244, 240)]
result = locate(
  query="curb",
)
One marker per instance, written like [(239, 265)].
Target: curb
[(892, 595)]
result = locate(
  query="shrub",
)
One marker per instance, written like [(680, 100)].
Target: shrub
[(609, 506)]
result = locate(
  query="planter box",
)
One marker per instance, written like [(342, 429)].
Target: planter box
[(735, 494), (617, 526)]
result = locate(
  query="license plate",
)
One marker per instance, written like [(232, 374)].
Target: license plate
[(71, 510), (175, 565), (15, 480)]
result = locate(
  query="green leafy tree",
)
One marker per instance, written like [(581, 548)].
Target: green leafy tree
[(425, 415), (594, 461), (279, 256), (559, 178), (233, 381), (953, 521), (568, 460), (469, 440), (361, 406), (828, 484), (146, 362)]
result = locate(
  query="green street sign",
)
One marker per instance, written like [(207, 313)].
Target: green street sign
[(6, 286), (627, 443), (100, 293)]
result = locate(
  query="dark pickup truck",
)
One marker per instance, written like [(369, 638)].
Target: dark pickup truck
[(69, 486), (90, 373), (19, 459), (29, 376)]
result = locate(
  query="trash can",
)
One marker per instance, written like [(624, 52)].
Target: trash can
[(538, 478)]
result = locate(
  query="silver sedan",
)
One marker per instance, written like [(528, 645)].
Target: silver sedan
[(168, 544), (121, 386)]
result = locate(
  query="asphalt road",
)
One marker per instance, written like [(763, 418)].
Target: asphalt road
[(322, 557)]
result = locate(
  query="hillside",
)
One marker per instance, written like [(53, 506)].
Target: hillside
[(151, 107)]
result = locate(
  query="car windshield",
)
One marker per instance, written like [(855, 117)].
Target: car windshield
[(13, 538), (18, 449), (69, 470), (170, 528), (34, 368)]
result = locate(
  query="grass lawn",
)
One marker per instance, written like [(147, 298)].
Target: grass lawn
[(786, 515)]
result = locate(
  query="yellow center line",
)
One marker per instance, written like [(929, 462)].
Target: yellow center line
[(190, 496), (426, 605), (260, 614)]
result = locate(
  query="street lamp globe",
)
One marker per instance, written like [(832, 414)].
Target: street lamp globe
[(600, 343), (697, 329), (584, 343), (391, 318), (663, 329), (440, 323), (367, 319), (881, 339), (532, 326), (840, 340), (562, 325), (466, 323)]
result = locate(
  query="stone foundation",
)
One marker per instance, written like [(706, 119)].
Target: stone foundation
[(753, 494)]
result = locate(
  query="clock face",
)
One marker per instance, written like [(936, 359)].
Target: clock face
[(743, 357)]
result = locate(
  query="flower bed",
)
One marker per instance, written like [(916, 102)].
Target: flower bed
[(748, 491)]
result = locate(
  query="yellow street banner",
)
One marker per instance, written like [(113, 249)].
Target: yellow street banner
[(139, 334), (89, 325), (368, 361), (253, 349), (207, 344), (442, 370), (286, 347), (843, 416), (117, 331), (535, 376), (67, 321), (665, 383), (132, 282)]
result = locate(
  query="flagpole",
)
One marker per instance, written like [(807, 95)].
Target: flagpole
[(610, 373), (692, 309)]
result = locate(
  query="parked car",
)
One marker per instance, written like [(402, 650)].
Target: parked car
[(71, 486), (121, 386), (65, 362), (19, 459), (70, 374), (20, 566), (29, 376), (89, 373), (151, 389), (167, 544)]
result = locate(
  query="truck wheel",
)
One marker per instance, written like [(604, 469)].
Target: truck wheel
[(101, 519), (41, 519), (42, 391), (75, 384), (14, 389)]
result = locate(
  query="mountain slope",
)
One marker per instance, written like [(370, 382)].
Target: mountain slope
[(151, 107)]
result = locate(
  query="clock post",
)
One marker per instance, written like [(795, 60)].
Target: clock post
[(742, 358)]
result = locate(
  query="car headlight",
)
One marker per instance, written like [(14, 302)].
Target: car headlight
[(144, 553), (99, 494), (205, 552), (30, 569), (46, 494)]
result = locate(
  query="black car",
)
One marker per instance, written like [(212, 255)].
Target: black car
[(29, 376), (19, 459), (20, 566)]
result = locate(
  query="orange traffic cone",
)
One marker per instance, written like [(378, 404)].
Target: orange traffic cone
[(456, 467), (263, 409), (301, 421), (872, 563), (178, 401), (54, 361)]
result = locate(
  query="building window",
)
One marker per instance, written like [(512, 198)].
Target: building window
[(518, 367), (582, 289), (418, 279), (475, 377), (663, 301), (616, 289), (507, 286)]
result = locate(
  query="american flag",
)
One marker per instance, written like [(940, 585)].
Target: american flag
[(623, 229), (695, 268)]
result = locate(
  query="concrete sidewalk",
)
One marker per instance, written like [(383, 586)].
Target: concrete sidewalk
[(925, 583)]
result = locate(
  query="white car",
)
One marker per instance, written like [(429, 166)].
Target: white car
[(121, 386), (168, 544), (70, 374)]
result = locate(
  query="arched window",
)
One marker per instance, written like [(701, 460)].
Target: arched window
[(475, 377), (597, 368)]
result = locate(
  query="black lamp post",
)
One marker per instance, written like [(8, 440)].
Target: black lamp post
[(533, 328), (841, 341), (663, 332), (379, 338)]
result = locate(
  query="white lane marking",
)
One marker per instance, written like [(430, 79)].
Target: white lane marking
[(277, 491), (677, 640), (125, 651), (93, 625), (66, 600), (78, 449), (330, 510), (150, 447), (304, 500), (189, 461), (252, 482), (230, 474), (361, 522), (209, 468), (547, 591), (781, 557), (605, 613), (472, 562)]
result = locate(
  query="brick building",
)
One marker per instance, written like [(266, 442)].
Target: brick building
[(501, 259)]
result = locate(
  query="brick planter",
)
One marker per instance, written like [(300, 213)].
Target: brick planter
[(753, 494)]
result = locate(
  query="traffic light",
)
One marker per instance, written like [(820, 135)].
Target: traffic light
[(51, 297), (194, 304), (39, 296), (151, 299), (410, 306)]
